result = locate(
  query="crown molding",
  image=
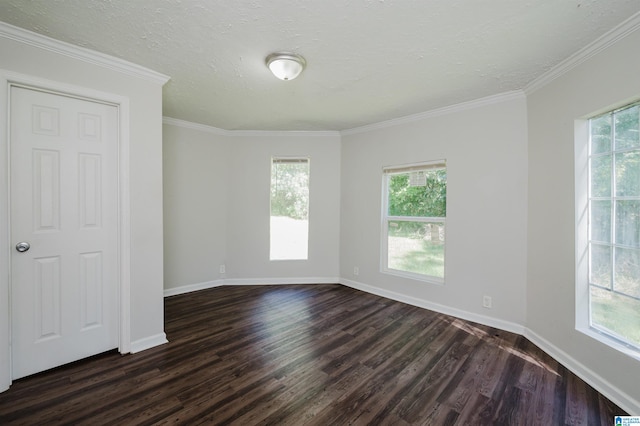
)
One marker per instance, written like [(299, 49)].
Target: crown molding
[(477, 103), (80, 53), (236, 133), (285, 133), (611, 37)]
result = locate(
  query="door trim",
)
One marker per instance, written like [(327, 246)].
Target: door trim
[(7, 80)]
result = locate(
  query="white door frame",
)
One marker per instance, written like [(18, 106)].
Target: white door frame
[(8, 79)]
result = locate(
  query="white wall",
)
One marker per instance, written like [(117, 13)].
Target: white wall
[(217, 189), (195, 205), (486, 152), (145, 173), (606, 80)]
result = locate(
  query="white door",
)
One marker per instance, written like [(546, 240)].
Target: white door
[(64, 206)]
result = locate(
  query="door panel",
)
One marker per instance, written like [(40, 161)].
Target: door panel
[(64, 203)]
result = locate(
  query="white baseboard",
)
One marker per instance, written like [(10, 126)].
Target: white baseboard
[(148, 343), (248, 281), (192, 287), (606, 388), (275, 281), (414, 301)]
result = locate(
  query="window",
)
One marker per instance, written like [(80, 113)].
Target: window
[(413, 221), (614, 224), (289, 208)]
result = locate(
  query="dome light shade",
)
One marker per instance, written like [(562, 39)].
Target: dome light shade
[(285, 66)]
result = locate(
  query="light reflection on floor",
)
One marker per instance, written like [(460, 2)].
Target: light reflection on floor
[(283, 308), (483, 334)]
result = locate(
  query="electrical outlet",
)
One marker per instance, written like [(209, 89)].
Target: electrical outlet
[(486, 302), (356, 271), (223, 269)]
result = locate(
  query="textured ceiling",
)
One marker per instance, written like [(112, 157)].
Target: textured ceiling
[(367, 60)]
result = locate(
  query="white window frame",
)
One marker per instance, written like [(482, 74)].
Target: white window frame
[(387, 172), (582, 169)]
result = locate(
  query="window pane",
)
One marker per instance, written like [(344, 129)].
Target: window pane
[(600, 265), (289, 209), (628, 223), (601, 176), (614, 207), (418, 200), (601, 221), (601, 134), (628, 174), (289, 238), (416, 247), (626, 129), (616, 313), (627, 274)]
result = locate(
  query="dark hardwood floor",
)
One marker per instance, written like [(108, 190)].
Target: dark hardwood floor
[(311, 354)]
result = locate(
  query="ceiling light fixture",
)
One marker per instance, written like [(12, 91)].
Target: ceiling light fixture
[(285, 66)]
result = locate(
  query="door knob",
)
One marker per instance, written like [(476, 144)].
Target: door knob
[(23, 246)]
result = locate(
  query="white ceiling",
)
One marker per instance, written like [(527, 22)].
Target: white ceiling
[(367, 60)]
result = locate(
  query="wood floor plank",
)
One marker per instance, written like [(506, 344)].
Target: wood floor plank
[(284, 404), (311, 355)]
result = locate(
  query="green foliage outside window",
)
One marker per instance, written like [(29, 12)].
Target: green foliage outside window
[(418, 201), (429, 200), (290, 190)]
